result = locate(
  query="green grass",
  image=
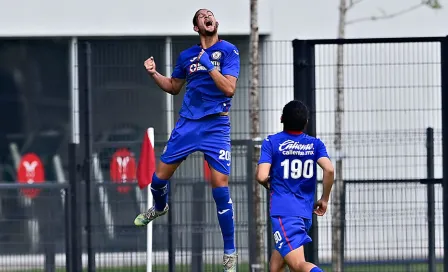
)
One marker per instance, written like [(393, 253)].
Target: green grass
[(244, 268)]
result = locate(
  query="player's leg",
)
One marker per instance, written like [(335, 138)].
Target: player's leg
[(216, 148), (224, 207), (290, 234), (297, 263), (179, 146), (277, 264)]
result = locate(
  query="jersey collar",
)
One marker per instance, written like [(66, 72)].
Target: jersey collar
[(293, 132)]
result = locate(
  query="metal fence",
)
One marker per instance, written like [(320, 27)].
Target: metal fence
[(392, 163), (386, 96)]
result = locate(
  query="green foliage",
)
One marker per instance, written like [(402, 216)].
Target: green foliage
[(434, 4)]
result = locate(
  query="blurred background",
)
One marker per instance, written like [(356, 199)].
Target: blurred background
[(74, 96)]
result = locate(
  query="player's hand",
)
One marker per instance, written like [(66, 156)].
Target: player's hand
[(150, 66), (320, 208), (204, 59)]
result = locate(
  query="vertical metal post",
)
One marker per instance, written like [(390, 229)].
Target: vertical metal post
[(252, 236), (197, 226), (169, 97), (269, 226), (73, 204), (68, 229), (430, 199), (73, 231), (49, 246), (88, 155), (74, 91), (170, 126), (305, 90), (171, 247), (444, 89)]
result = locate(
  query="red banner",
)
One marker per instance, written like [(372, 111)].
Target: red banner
[(123, 169), (31, 170)]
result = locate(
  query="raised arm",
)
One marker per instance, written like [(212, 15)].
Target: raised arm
[(230, 69), (170, 85)]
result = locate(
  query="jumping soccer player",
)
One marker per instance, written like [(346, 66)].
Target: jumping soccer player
[(287, 167), (211, 70)]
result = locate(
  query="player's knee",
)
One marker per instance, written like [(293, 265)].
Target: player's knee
[(165, 171), (277, 266), (219, 179)]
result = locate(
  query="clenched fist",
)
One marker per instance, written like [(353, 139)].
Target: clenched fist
[(150, 66)]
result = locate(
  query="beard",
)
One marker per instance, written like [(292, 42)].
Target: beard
[(205, 32)]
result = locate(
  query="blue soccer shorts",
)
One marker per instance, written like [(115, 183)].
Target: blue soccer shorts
[(290, 233), (209, 135)]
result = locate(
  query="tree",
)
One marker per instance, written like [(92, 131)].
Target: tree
[(338, 197), (254, 113)]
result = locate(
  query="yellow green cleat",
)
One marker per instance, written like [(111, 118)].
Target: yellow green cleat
[(143, 219)]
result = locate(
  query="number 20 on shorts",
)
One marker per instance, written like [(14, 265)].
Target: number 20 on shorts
[(296, 169), (224, 155)]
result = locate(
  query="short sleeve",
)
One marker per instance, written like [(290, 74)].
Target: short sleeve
[(321, 150), (266, 152), (231, 63), (179, 71)]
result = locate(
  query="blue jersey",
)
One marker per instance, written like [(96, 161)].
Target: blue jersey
[(293, 172), (202, 96)]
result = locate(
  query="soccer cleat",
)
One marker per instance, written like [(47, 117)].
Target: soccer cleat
[(229, 262), (143, 219)]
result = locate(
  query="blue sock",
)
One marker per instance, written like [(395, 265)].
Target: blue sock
[(159, 190), (316, 269), (225, 217)]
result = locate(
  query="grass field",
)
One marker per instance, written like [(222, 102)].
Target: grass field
[(244, 268)]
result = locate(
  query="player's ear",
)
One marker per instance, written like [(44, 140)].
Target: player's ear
[(196, 29), (217, 24), (281, 119)]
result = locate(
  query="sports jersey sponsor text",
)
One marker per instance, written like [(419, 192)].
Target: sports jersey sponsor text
[(290, 147), (198, 67)]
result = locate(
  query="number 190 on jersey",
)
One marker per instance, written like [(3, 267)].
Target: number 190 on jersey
[(296, 169)]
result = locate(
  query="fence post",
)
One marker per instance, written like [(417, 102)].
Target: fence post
[(74, 246), (444, 89), (171, 248), (198, 224), (430, 199), (88, 155), (305, 90), (49, 245), (269, 226)]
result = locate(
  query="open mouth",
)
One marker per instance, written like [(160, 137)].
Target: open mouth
[(209, 23)]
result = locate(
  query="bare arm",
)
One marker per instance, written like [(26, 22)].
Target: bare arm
[(167, 84), (328, 177), (227, 84), (262, 174)]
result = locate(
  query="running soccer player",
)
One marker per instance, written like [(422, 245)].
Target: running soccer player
[(210, 70), (287, 167)]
